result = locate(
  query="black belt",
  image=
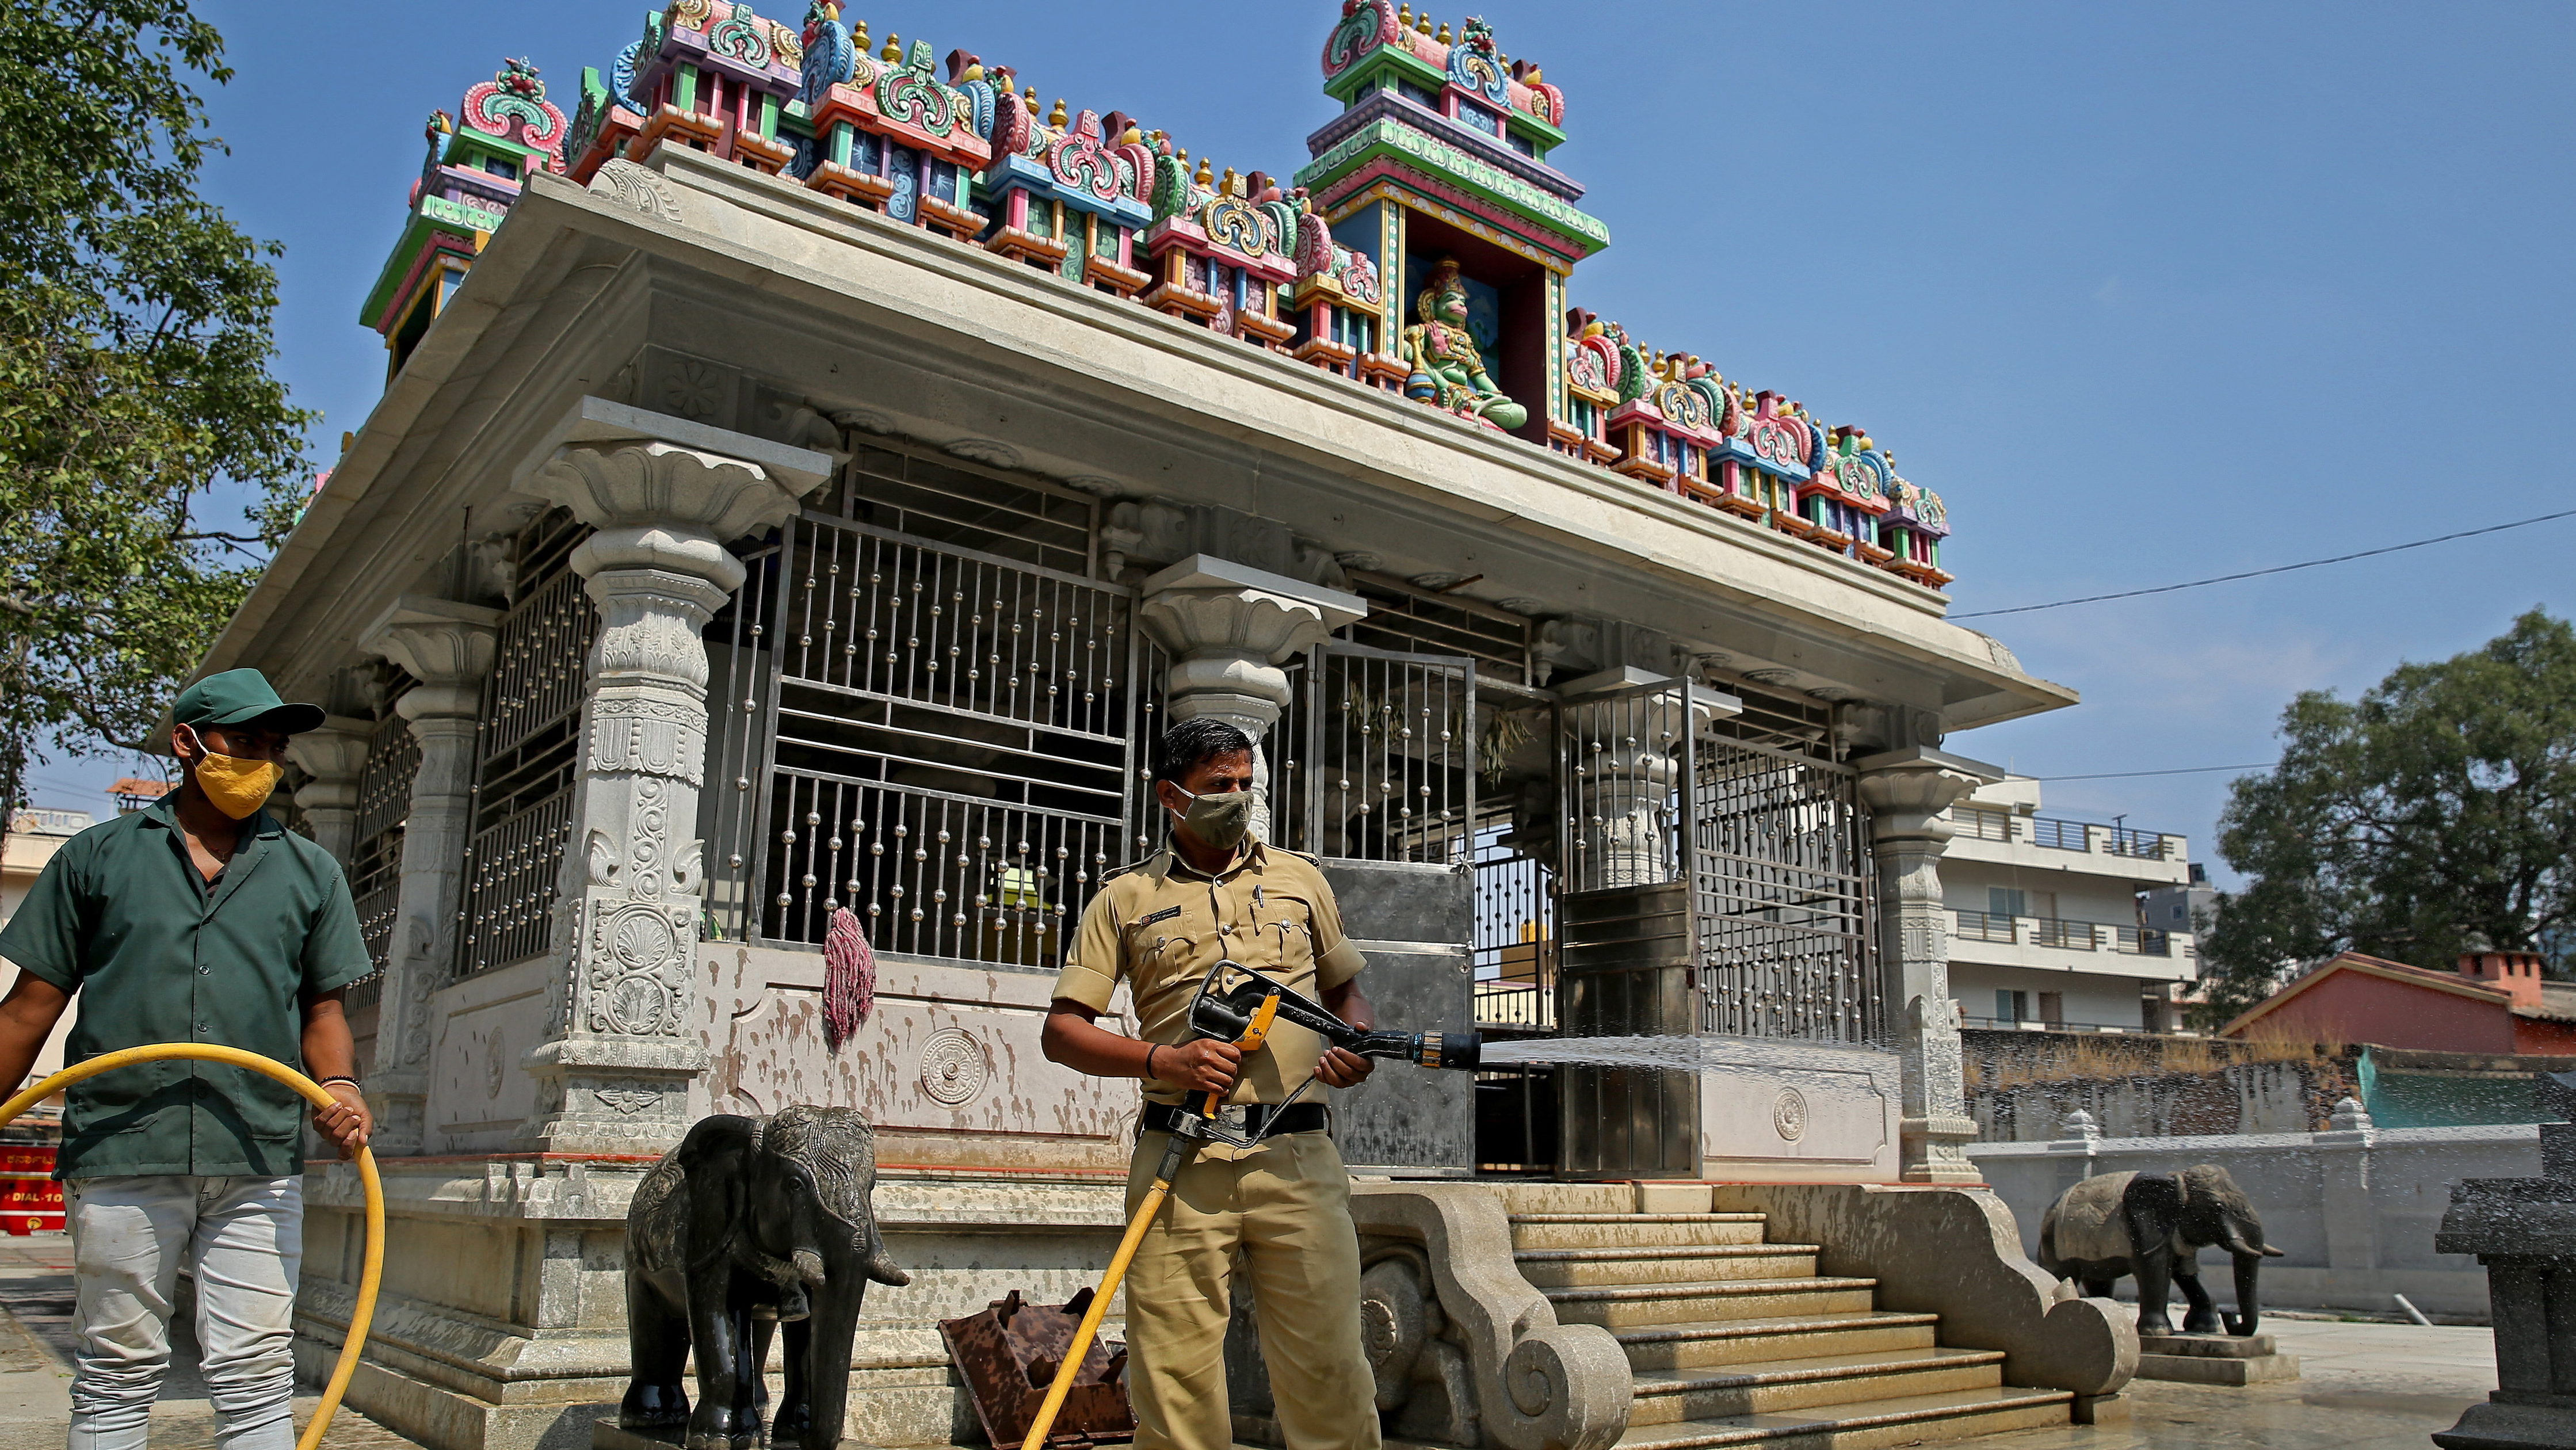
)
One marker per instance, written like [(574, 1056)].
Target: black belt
[(1259, 1119)]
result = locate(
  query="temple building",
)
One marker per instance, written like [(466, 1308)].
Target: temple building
[(810, 474)]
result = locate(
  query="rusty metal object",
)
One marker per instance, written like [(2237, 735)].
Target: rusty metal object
[(1009, 1354)]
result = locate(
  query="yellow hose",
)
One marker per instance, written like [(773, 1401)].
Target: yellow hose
[(1091, 1317), (375, 1262)]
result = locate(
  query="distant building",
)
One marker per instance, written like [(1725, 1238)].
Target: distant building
[(2496, 1003), (2186, 908), (2045, 923), (34, 837)]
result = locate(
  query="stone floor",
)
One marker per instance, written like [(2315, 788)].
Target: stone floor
[(2367, 1386), (2364, 1387)]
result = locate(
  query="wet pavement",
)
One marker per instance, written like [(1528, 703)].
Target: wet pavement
[(2364, 1387)]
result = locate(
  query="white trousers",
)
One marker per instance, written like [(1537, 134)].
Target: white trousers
[(243, 1240)]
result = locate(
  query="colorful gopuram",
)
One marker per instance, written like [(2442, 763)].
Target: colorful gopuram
[(1427, 247)]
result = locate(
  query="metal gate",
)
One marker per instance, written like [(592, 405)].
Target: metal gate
[(1375, 758), (1713, 885), (947, 742)]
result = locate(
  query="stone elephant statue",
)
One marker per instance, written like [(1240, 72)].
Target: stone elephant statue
[(2154, 1225), (749, 1224)]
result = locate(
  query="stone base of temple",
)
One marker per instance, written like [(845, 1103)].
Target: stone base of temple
[(501, 1323)]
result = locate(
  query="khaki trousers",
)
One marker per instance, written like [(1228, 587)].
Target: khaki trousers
[(1287, 1205)]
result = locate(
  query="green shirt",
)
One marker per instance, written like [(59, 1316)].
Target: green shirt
[(122, 917)]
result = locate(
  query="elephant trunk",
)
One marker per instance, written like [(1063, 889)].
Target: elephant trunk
[(827, 1367), (2249, 1307), (875, 1262)]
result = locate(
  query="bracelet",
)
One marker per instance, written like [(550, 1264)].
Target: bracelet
[(1150, 1049), (351, 1081)]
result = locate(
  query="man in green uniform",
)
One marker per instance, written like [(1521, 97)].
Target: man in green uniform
[(198, 919), (1285, 1204)]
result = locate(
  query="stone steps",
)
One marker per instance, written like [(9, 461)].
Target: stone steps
[(1575, 1268), (1664, 1397), (1739, 1341), (1866, 1424), (1623, 1305), (1646, 1230), (1734, 1340)]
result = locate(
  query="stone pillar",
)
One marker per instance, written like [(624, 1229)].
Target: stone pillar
[(1229, 628), (332, 759), (624, 1020), (449, 648), (1907, 792)]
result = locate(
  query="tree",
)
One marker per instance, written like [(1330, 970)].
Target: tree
[(2436, 814), (135, 389)]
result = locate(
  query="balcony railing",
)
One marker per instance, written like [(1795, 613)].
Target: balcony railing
[(1985, 823), (2059, 934), (2007, 1024)]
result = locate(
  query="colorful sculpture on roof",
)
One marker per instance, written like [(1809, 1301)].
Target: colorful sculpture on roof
[(1448, 369), (1425, 248)]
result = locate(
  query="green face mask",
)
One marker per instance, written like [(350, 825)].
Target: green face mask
[(1220, 818)]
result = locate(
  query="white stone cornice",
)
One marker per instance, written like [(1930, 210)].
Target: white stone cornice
[(438, 642), (662, 507), (599, 421), (1907, 792)]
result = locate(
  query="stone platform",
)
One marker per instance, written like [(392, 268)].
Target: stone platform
[(2214, 1359)]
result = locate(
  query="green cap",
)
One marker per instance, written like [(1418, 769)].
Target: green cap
[(238, 697)]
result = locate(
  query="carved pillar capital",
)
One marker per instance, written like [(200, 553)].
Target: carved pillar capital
[(1908, 791), (1909, 797), (446, 645), (1228, 628), (662, 507), (332, 759)]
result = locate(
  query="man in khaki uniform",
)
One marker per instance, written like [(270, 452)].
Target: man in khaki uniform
[(1159, 926)]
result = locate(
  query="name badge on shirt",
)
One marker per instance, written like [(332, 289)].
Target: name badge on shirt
[(1166, 914)]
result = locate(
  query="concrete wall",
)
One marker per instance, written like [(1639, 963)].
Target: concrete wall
[(2022, 1085), (2353, 1211)]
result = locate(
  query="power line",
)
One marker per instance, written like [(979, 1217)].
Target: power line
[(2276, 569), (2133, 774)]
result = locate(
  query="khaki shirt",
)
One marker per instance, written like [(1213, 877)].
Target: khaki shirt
[(1160, 926)]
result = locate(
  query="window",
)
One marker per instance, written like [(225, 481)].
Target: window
[(1520, 142), (1417, 95), (2011, 1006), (1479, 118), (2006, 901)]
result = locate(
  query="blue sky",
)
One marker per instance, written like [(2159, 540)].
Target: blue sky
[(2148, 293)]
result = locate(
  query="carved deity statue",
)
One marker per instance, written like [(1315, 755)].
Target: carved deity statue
[(1448, 370)]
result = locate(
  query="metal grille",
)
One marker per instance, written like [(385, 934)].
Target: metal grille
[(1781, 889), (1409, 618), (1621, 757), (527, 753), (950, 502), (375, 854), (1514, 944), (1377, 756), (952, 745)]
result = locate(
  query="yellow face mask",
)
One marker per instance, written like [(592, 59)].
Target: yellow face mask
[(236, 786)]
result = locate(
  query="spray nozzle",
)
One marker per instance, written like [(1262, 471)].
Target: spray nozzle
[(1458, 1050)]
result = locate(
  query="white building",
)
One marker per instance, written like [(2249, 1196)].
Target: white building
[(2044, 917)]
